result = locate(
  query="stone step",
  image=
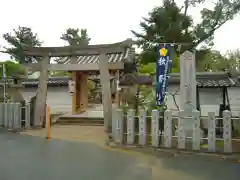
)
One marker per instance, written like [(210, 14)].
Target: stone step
[(80, 124), (80, 121)]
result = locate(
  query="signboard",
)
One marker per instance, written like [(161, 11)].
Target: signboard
[(162, 69), (71, 86)]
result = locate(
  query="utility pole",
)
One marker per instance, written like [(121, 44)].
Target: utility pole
[(4, 82), (4, 76)]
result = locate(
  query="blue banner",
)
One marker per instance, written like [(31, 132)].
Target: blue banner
[(162, 69)]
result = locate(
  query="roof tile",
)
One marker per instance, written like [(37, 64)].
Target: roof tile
[(112, 58), (202, 81)]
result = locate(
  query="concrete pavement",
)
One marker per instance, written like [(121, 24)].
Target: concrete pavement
[(24, 157)]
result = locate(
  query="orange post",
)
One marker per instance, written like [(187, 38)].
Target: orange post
[(48, 123)]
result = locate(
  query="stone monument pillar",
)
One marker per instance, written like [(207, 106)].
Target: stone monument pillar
[(187, 89)]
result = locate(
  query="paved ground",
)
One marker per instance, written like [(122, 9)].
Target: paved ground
[(91, 134), (24, 157), (96, 111)]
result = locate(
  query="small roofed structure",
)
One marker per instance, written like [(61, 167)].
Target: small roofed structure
[(82, 61)]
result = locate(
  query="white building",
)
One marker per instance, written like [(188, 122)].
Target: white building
[(213, 89)]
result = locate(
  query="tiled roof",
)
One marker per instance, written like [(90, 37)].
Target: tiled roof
[(214, 83), (236, 78), (126, 56), (203, 80), (54, 81)]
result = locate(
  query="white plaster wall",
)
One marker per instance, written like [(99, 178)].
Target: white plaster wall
[(58, 98), (234, 99), (170, 100), (27, 93), (209, 99)]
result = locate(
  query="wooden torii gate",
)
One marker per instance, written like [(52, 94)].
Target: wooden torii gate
[(104, 63)]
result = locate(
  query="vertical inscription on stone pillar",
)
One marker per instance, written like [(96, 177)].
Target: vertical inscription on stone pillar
[(155, 127), (211, 132), (131, 126), (142, 127), (227, 131)]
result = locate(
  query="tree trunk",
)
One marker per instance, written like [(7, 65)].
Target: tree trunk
[(41, 95)]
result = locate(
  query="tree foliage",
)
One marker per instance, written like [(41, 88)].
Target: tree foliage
[(214, 61), (171, 23), (232, 61), (22, 37), (12, 68), (74, 37), (77, 37), (59, 73)]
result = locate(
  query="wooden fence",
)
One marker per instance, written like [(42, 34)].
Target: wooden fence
[(168, 131), (14, 117)]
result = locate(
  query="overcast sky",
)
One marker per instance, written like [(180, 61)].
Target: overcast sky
[(107, 21)]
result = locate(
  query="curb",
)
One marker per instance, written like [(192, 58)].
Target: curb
[(235, 157)]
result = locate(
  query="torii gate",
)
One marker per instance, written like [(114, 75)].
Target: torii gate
[(104, 64)]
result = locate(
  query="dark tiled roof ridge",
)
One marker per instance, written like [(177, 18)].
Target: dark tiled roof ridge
[(203, 80), (199, 74)]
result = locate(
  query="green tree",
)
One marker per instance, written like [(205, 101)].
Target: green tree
[(23, 37), (74, 37), (215, 61), (230, 62), (150, 68), (211, 60), (12, 68), (58, 73), (170, 23)]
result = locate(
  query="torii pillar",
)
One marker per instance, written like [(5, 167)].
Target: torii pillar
[(106, 93), (80, 92)]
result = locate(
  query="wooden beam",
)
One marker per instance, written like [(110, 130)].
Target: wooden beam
[(74, 101), (117, 98), (83, 92), (75, 67)]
